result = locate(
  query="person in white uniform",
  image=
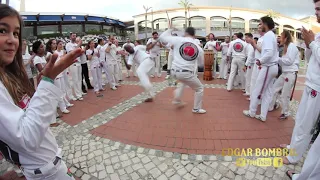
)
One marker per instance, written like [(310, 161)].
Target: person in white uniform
[(153, 47), (249, 62), (170, 57), (308, 111), (133, 67), (27, 61), (289, 63), (268, 70), (119, 62), (95, 67), (213, 45), (223, 74), (185, 53), (104, 57), (76, 67), (113, 68), (145, 64), (25, 137), (239, 51)]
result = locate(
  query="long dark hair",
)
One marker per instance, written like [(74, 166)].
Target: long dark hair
[(289, 40), (14, 76), (48, 46), (88, 45)]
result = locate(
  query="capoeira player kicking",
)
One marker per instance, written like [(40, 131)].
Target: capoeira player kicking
[(308, 111), (185, 54), (138, 55)]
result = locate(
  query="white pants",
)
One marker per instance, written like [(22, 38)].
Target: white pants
[(142, 72), (254, 76), (96, 73), (59, 82), (214, 69), (306, 118), (223, 68), (105, 67), (120, 70), (191, 80), (113, 71), (156, 69), (67, 85), (50, 172), (248, 78), (133, 68), (284, 84), (236, 65), (311, 167), (264, 79), (76, 79)]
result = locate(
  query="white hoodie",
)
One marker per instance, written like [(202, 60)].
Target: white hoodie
[(290, 61)]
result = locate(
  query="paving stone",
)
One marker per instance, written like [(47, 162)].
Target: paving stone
[(217, 175), (124, 157), (189, 167), (163, 167), (79, 173), (175, 177), (110, 169), (102, 175), (210, 171), (203, 176), (134, 176), (269, 172), (170, 172), (222, 169), (115, 159), (137, 166), (155, 172), (142, 172), (188, 176), (241, 171), (149, 166), (214, 165), (259, 177), (129, 170), (85, 177), (249, 175), (162, 177), (100, 167), (114, 176), (230, 175), (145, 160), (261, 171), (182, 171), (135, 160), (252, 169), (120, 171), (238, 177), (126, 163)]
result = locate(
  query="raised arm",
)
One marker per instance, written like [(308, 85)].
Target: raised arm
[(166, 37)]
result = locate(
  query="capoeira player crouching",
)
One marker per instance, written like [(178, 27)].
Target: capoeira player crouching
[(185, 54), (138, 55), (268, 71)]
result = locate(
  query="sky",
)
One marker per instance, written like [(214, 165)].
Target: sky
[(125, 9)]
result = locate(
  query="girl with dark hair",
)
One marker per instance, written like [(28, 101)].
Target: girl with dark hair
[(39, 60), (289, 63), (25, 115), (51, 46)]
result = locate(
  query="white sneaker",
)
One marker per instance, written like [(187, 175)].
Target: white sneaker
[(80, 99), (245, 94), (152, 76), (159, 76), (247, 113), (114, 88), (178, 103), (260, 118), (118, 85), (66, 111), (127, 76), (84, 94), (168, 76), (73, 99), (70, 105), (199, 111)]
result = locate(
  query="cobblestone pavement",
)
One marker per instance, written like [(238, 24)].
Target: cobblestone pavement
[(93, 157)]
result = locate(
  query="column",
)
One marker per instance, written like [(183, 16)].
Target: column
[(208, 25), (247, 26)]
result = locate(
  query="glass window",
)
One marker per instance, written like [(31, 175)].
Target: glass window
[(92, 27), (160, 24), (108, 29), (66, 29), (27, 32), (253, 25), (237, 24), (142, 25), (50, 29), (199, 23), (179, 22), (298, 34), (219, 24)]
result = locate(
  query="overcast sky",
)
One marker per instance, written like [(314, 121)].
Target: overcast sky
[(125, 9)]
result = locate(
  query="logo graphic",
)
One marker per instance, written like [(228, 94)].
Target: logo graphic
[(188, 51), (241, 162), (314, 93), (277, 162), (238, 47)]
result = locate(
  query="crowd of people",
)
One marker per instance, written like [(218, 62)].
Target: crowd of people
[(29, 105)]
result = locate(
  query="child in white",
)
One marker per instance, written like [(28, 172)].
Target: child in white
[(185, 53), (95, 68), (289, 63)]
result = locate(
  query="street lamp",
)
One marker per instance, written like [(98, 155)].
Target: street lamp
[(146, 8)]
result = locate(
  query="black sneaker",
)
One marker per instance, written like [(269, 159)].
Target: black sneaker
[(90, 87)]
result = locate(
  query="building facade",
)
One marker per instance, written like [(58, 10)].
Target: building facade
[(216, 20)]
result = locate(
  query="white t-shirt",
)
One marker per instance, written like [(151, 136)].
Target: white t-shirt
[(291, 60), (224, 48), (155, 51), (102, 51), (83, 58), (211, 45), (39, 60), (26, 57), (238, 49), (185, 52), (112, 55), (48, 54), (269, 50), (138, 56), (95, 60), (60, 54), (70, 47)]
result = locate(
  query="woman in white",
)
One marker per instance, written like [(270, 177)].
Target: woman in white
[(289, 63), (95, 67), (25, 115), (28, 61), (59, 81), (51, 46)]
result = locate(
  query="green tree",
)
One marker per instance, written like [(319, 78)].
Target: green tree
[(186, 5)]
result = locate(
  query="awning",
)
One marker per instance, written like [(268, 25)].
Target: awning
[(95, 19), (121, 24), (73, 18), (29, 18), (110, 21), (49, 18)]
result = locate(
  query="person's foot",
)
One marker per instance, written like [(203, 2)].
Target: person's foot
[(276, 106), (66, 111), (199, 111), (152, 76), (247, 113), (118, 85), (128, 76), (243, 90), (114, 88), (283, 117), (102, 89), (54, 125), (260, 118), (120, 80), (83, 94), (229, 90), (84, 91), (19, 173), (98, 94), (149, 100), (290, 174), (90, 87), (284, 146), (80, 99), (73, 99), (159, 76), (179, 104), (248, 99), (168, 76), (245, 94), (69, 105), (286, 161)]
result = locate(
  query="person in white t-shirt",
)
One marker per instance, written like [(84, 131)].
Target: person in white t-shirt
[(268, 70), (215, 47), (118, 57), (223, 74), (249, 63), (185, 53), (133, 67), (111, 52), (76, 67), (145, 64), (153, 47), (28, 61), (289, 63), (95, 67)]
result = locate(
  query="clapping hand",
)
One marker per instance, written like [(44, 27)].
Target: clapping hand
[(308, 36), (258, 62)]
